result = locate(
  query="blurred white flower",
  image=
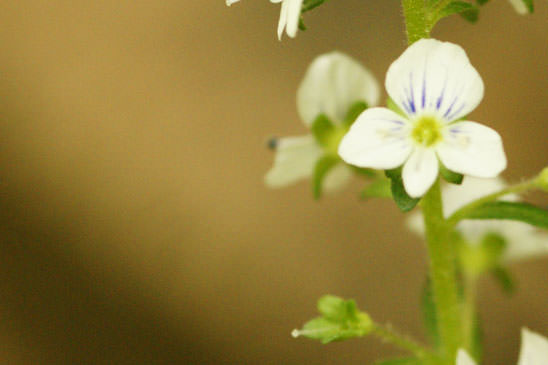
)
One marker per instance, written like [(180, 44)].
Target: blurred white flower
[(289, 16), (519, 6), (332, 84), (534, 350), (435, 85), (522, 240)]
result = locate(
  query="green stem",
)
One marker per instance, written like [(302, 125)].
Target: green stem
[(442, 272), (416, 20), (469, 311), (388, 334), (457, 216)]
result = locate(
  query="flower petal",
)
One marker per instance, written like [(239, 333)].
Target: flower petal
[(473, 149), (434, 77), (283, 18), (293, 16), (230, 2), (464, 359), (337, 177), (519, 6), (377, 139), (534, 348), (295, 160), (333, 82), (420, 172)]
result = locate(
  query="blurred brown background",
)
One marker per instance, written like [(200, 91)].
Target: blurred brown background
[(135, 228)]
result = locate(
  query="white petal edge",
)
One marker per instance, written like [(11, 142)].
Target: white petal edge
[(332, 84), (534, 348), (519, 6), (337, 177), (293, 16), (472, 149), (377, 139), (230, 2), (420, 172), (464, 359), (436, 78), (283, 19), (294, 160)]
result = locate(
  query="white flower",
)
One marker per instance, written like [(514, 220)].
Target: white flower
[(522, 240), (289, 16), (435, 85), (519, 6), (332, 84), (534, 350)]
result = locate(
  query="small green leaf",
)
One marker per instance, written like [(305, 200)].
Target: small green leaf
[(523, 212), (400, 361), (450, 176), (391, 104), (493, 245), (353, 112), (301, 24), (455, 7), (402, 199), (505, 279), (340, 320), (311, 4), (379, 188), (322, 167), (322, 129), (471, 15)]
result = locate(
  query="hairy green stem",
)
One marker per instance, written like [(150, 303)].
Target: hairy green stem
[(442, 273), (416, 20), (387, 334), (457, 216), (469, 310)]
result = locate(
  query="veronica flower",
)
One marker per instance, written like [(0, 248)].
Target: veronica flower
[(289, 16), (333, 83), (522, 240), (534, 350), (434, 85)]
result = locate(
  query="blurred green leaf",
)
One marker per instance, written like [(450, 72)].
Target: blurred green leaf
[(379, 188), (471, 15), (322, 167), (402, 199), (529, 4), (322, 129), (505, 279), (353, 112), (518, 211)]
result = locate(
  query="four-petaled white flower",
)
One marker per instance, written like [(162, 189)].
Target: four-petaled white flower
[(434, 85), (289, 16), (332, 84), (522, 240), (534, 350)]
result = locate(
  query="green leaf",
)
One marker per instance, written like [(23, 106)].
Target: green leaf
[(429, 314), (322, 167), (379, 188), (523, 212), (322, 129), (390, 104), (353, 112), (301, 24), (455, 7), (450, 176), (471, 15), (505, 279), (340, 320), (402, 199), (400, 361)]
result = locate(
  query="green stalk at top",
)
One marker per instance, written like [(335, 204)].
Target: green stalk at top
[(416, 20)]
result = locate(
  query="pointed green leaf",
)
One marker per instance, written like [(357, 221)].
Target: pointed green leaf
[(301, 24), (505, 279), (337, 309), (402, 199), (322, 167), (311, 4), (353, 112), (518, 211), (322, 129), (450, 176), (455, 7)]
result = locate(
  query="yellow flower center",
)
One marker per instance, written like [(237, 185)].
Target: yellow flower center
[(426, 131)]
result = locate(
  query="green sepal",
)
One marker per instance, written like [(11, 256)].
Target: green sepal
[(322, 129), (530, 5), (391, 104), (340, 320), (379, 188), (400, 361), (402, 199), (456, 7), (471, 15), (301, 24), (504, 279), (353, 112), (363, 171), (322, 167), (450, 176), (517, 211), (311, 4)]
